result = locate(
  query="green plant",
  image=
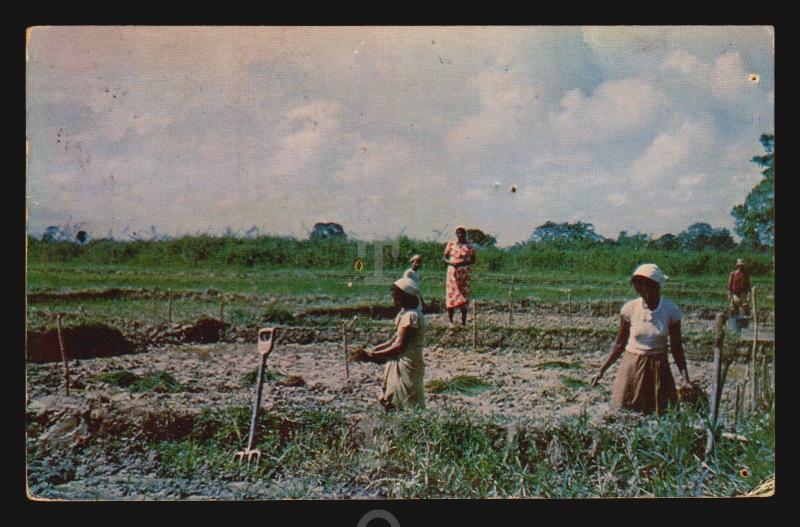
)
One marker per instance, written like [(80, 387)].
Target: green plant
[(466, 384), (158, 381), (572, 382)]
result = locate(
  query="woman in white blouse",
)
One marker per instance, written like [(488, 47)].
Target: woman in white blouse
[(644, 380)]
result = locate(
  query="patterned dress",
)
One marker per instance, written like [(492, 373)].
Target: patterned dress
[(457, 284)]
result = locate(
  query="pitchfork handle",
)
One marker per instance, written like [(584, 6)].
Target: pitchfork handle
[(257, 402)]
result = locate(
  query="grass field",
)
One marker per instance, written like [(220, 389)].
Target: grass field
[(292, 288)]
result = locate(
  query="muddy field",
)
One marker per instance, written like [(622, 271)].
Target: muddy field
[(541, 376)]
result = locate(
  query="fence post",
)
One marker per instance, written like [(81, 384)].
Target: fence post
[(716, 391), (569, 303), (510, 304), (344, 341), (63, 352), (753, 369), (474, 324), (169, 306)]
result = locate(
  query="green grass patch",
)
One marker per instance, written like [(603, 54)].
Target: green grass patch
[(158, 381), (559, 365), (465, 384), (249, 378), (573, 383), (454, 454)]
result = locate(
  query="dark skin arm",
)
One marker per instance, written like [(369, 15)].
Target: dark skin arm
[(395, 346), (676, 347), (617, 347)]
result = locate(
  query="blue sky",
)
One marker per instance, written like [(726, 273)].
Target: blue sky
[(394, 129)]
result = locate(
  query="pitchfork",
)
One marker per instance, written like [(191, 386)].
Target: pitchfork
[(266, 341)]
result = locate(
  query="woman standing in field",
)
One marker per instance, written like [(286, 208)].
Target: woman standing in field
[(404, 371), (644, 382), (413, 273), (458, 255)]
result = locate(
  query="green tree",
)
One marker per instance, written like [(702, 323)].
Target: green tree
[(639, 239), (480, 238), (565, 233), (701, 236), (667, 241), (755, 218)]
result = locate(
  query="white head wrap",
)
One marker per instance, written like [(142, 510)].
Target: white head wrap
[(407, 285), (415, 257), (651, 271)]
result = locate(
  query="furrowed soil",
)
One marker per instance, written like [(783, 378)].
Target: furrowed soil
[(98, 442)]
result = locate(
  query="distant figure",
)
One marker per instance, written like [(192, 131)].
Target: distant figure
[(739, 289), (413, 273), (404, 372), (458, 255), (644, 381)]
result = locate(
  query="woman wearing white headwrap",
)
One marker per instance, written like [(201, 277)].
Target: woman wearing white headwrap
[(458, 255), (405, 370), (644, 381)]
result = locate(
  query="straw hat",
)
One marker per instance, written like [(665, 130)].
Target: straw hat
[(739, 262), (415, 257)]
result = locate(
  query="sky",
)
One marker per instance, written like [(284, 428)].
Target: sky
[(393, 130)]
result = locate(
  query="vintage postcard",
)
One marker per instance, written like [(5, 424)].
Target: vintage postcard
[(399, 262)]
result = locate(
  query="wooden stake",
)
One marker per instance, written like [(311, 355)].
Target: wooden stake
[(736, 407), (765, 386), (474, 324), (344, 340), (154, 297), (745, 395), (569, 303), (63, 352), (716, 390), (753, 371), (169, 306), (222, 311), (510, 305)]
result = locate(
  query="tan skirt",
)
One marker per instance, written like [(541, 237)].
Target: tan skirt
[(644, 383), (403, 383)]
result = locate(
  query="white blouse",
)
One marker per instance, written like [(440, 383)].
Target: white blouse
[(649, 329)]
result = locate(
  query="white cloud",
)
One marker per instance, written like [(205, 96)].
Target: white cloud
[(309, 132), (726, 77), (691, 180), (617, 199), (615, 109), (506, 102), (672, 153)]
